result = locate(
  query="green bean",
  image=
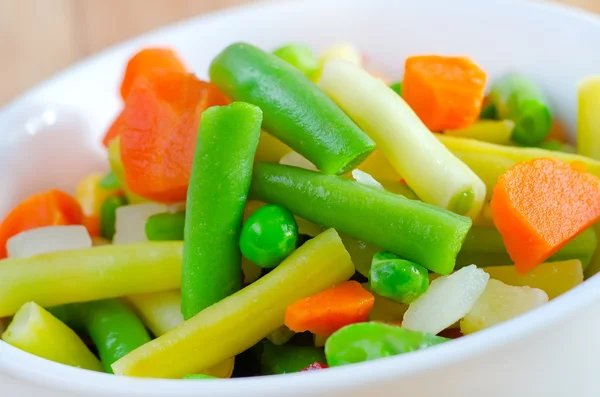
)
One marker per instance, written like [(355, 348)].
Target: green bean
[(299, 56), (108, 215), (166, 226), (287, 359)]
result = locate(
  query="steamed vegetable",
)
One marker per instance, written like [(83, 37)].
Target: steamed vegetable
[(416, 231), (161, 312), (299, 56), (147, 60), (108, 216), (489, 160), (484, 247), (269, 236), (340, 51), (158, 138), (318, 264), (488, 131), (90, 196), (588, 124), (498, 303), (435, 175), (385, 310), (50, 208), (397, 279), (48, 239), (446, 301), (280, 336), (166, 226), (369, 341), (295, 111), (219, 184), (111, 325), (287, 359), (329, 310), (117, 168), (554, 278), (539, 206), (445, 92), (89, 274), (519, 99), (38, 332), (130, 221)]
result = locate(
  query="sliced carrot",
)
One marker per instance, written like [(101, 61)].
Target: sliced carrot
[(445, 92), (331, 309), (158, 138), (50, 208), (114, 130), (146, 61), (540, 205)]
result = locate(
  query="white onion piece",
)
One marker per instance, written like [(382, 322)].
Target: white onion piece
[(48, 239), (130, 226), (366, 179), (296, 160), (446, 301)]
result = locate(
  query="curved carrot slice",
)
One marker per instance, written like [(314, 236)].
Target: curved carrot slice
[(445, 92), (540, 205), (146, 61), (50, 208), (114, 130), (158, 138), (331, 309)]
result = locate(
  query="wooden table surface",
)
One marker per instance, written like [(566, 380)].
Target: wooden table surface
[(40, 37)]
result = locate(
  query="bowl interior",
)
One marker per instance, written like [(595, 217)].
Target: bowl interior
[(50, 136)]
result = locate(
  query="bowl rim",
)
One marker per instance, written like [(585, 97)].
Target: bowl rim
[(27, 367)]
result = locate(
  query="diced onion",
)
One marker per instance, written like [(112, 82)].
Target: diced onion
[(48, 239), (446, 301), (366, 179), (130, 225)]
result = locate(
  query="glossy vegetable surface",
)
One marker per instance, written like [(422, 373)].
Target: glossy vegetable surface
[(166, 226), (417, 231), (287, 359), (219, 184), (295, 111), (397, 279)]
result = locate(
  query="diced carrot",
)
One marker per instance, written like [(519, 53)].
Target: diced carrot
[(146, 61), (50, 208), (331, 309), (114, 130), (92, 224), (540, 205), (158, 138), (445, 92)]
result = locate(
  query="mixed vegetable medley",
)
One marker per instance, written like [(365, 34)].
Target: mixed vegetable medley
[(298, 212)]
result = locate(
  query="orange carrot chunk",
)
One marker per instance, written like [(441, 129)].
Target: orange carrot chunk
[(541, 205), (51, 208), (158, 137), (331, 309), (445, 92), (114, 130), (146, 61)]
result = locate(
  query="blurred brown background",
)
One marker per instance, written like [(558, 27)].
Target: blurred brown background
[(40, 37)]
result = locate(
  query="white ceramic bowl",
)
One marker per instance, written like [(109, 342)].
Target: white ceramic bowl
[(50, 138)]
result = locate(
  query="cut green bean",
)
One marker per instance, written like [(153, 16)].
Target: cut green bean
[(488, 112), (38, 332), (356, 343), (111, 325), (436, 176), (299, 56), (102, 272), (519, 99), (286, 359), (108, 215), (484, 247), (295, 110), (319, 264), (166, 226), (419, 232), (219, 185)]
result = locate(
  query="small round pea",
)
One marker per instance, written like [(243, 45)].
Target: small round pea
[(396, 278), (269, 235)]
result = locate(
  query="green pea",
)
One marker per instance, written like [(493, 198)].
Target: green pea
[(360, 342), (397, 279), (299, 56), (108, 215), (269, 236)]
